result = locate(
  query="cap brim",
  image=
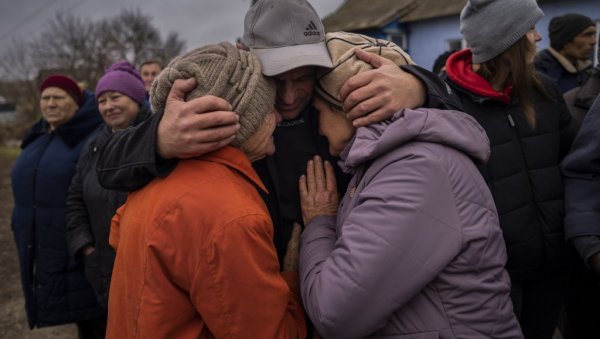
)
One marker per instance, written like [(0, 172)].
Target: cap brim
[(275, 61)]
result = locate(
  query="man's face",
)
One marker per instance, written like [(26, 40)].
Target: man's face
[(149, 73), (294, 91), (582, 45)]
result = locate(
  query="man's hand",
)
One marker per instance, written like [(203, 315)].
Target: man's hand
[(290, 260), (196, 127), (377, 94), (318, 190), (594, 262)]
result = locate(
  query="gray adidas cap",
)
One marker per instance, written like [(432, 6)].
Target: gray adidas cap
[(285, 34)]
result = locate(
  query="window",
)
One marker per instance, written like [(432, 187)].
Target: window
[(396, 36), (455, 44)]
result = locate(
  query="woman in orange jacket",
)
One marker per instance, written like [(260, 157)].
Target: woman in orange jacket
[(195, 255)]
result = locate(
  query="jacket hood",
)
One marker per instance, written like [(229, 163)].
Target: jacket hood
[(451, 128), (459, 70)]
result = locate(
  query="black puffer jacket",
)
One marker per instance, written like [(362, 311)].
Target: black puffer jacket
[(89, 210), (524, 176)]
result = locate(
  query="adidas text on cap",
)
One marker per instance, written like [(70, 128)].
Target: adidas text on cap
[(285, 34)]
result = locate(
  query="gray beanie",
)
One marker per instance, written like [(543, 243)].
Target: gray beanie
[(224, 71), (490, 27)]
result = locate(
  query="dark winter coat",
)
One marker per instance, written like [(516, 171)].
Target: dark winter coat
[(90, 208), (524, 176), (56, 290)]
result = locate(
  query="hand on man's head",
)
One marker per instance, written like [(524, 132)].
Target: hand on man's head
[(377, 94), (196, 127)]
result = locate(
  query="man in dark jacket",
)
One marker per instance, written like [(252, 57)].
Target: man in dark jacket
[(572, 41), (128, 163)]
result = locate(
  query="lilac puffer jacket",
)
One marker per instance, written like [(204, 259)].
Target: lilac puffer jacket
[(416, 250)]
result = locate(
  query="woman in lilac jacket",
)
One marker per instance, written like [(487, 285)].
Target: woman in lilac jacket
[(414, 250)]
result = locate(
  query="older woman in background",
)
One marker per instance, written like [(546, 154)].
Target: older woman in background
[(55, 288), (90, 207)]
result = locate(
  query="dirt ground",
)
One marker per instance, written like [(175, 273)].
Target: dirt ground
[(13, 322)]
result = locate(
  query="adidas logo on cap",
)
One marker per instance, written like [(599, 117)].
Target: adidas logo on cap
[(312, 29)]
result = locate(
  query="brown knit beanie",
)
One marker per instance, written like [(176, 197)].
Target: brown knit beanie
[(221, 70), (341, 46)]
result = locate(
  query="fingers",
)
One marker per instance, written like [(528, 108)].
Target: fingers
[(362, 79), (303, 189), (319, 174), (180, 88), (213, 119), (369, 119), (355, 82), (310, 177), (290, 260), (331, 183), (296, 231), (370, 58), (364, 101), (208, 103)]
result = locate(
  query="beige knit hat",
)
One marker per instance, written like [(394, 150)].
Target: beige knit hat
[(221, 70), (341, 46)]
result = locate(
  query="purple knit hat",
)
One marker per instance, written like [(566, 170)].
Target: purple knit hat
[(122, 77)]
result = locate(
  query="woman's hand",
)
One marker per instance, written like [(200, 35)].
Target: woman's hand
[(318, 190), (290, 261)]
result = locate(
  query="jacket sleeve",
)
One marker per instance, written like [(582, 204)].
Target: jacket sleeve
[(238, 288), (78, 228), (439, 94), (581, 171), (402, 232), (128, 161), (567, 130), (586, 246)]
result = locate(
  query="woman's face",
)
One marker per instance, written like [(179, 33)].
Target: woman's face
[(57, 106), (118, 110), (260, 143), (333, 125), (534, 37)]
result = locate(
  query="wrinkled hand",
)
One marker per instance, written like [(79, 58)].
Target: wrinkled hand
[(318, 190), (377, 94), (594, 262), (201, 125), (290, 260)]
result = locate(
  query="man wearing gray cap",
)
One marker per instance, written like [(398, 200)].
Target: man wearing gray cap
[(572, 41), (289, 39)]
